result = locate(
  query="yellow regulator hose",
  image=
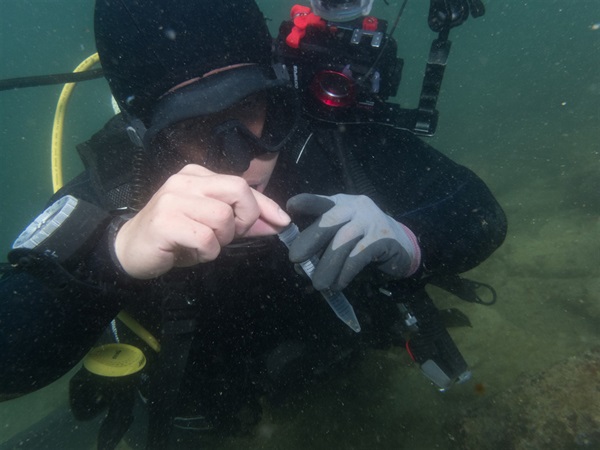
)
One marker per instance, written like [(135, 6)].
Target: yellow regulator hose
[(59, 119)]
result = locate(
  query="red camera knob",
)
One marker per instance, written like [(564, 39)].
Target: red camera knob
[(370, 23)]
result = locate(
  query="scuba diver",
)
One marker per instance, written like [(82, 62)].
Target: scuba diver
[(178, 221)]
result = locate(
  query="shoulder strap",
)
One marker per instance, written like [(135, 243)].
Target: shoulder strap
[(178, 329)]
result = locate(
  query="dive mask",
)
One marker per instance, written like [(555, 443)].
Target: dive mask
[(196, 106)]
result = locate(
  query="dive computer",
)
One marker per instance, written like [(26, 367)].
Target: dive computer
[(64, 229)]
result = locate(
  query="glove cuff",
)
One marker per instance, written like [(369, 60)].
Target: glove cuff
[(413, 249)]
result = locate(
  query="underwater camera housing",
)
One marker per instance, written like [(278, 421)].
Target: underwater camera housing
[(341, 65), (346, 71)]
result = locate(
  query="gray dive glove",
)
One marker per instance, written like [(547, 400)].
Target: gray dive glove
[(352, 232)]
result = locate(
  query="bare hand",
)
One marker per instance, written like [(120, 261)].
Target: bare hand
[(190, 218)]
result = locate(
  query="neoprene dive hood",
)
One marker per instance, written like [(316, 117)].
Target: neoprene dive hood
[(146, 47)]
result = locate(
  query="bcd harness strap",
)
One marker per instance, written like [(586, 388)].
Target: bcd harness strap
[(179, 327)]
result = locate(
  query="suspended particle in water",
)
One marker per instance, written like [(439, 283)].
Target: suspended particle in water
[(479, 389), (170, 33)]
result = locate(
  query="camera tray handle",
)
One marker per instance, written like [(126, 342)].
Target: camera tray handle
[(443, 15), (426, 114)]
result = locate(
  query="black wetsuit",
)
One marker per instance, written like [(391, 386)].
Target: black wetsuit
[(255, 314)]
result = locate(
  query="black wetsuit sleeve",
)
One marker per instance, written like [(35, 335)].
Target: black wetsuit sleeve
[(453, 214), (52, 314), (48, 321), (455, 217)]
